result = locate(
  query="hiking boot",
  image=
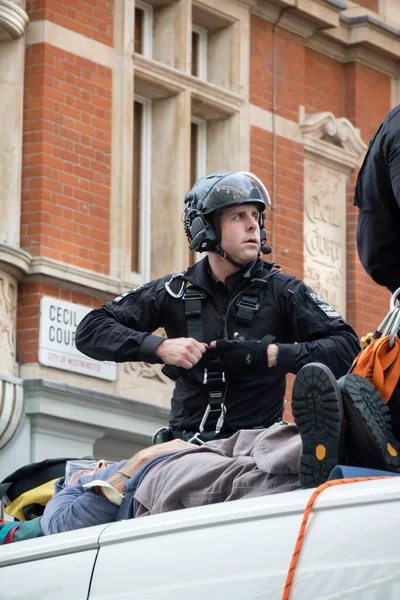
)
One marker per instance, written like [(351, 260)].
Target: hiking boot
[(370, 442), (318, 413)]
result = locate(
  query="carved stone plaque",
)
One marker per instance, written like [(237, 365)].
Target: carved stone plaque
[(145, 382), (325, 233), (8, 305)]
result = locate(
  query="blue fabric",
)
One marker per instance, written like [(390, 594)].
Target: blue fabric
[(75, 507), (5, 528), (128, 507), (344, 472)]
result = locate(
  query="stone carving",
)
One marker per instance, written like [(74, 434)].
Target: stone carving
[(146, 370), (13, 20), (11, 409), (338, 131), (325, 233), (333, 148), (8, 303), (145, 381)]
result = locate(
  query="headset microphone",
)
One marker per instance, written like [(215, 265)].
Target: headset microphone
[(266, 249)]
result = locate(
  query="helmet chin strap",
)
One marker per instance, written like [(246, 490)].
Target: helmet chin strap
[(225, 256)]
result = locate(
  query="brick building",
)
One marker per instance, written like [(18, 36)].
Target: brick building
[(110, 110)]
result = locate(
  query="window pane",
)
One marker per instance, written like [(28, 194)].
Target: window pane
[(137, 179), (195, 53), (139, 19)]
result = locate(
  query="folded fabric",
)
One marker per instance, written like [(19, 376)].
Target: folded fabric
[(15, 531), (345, 472)]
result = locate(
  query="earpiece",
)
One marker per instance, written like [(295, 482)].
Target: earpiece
[(204, 238)]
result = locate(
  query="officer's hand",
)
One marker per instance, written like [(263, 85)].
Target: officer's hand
[(244, 356), (181, 352)]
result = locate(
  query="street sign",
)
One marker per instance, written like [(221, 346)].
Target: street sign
[(58, 323)]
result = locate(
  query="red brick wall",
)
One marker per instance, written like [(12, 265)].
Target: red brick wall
[(371, 4), (66, 158), (290, 71), (261, 68), (324, 82), (93, 18), (28, 313)]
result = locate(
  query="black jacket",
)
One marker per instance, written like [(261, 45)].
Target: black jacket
[(377, 195), (289, 310)]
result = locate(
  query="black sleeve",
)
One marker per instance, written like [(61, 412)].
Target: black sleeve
[(378, 245), (394, 171), (121, 329), (320, 332)]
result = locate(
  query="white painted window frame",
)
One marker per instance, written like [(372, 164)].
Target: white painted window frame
[(145, 193), (147, 27), (202, 55)]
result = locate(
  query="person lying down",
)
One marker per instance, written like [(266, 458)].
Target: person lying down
[(252, 462)]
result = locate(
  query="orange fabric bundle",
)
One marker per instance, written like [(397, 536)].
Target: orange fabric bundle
[(380, 364)]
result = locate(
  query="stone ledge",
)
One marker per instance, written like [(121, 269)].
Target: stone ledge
[(105, 411), (162, 81), (301, 17), (14, 260), (21, 265), (13, 20)]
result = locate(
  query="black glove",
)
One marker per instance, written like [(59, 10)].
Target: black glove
[(244, 357)]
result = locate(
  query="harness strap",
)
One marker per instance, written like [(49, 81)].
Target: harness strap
[(193, 298), (247, 306)]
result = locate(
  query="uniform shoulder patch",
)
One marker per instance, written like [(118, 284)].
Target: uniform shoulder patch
[(324, 306), (125, 294)]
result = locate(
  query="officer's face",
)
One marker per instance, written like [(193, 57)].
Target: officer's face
[(240, 232)]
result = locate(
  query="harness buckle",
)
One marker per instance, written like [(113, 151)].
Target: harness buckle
[(248, 304), (213, 377)]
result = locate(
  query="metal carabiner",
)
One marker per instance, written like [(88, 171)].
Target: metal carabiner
[(221, 419), (393, 316), (394, 328), (394, 298), (170, 292), (196, 440)]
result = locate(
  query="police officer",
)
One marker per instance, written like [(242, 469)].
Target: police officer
[(235, 324), (377, 195)]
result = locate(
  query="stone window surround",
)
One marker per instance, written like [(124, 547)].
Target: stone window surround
[(174, 91), (145, 191), (147, 27)]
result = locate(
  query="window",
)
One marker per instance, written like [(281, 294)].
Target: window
[(141, 197), (143, 43), (199, 52)]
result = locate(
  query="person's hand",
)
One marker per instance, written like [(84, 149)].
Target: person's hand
[(246, 356), (272, 353), (160, 449), (181, 352)]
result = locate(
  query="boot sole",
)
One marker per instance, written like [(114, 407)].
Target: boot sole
[(318, 414), (369, 424)]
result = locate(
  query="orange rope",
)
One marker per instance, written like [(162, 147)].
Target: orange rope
[(307, 511), (380, 364)]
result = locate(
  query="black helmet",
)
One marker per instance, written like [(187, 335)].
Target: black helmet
[(216, 193)]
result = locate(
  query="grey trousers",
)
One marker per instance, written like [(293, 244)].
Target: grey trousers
[(248, 464)]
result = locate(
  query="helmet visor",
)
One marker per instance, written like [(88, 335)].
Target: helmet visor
[(233, 189), (258, 184)]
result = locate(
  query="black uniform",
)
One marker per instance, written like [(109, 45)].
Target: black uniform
[(289, 310), (377, 195)]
